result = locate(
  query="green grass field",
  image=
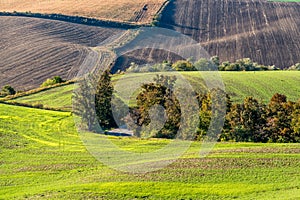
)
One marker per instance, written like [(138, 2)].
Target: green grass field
[(43, 157), (261, 85), (59, 97)]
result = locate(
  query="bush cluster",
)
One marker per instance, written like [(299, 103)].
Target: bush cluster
[(250, 121), (53, 81), (254, 121), (7, 90), (212, 64)]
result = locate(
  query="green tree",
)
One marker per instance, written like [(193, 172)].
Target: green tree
[(233, 67), (84, 104), (296, 122), (245, 64), (205, 65), (254, 118), (8, 90), (247, 121), (183, 65), (212, 111), (215, 60), (279, 119), (223, 66), (205, 115), (159, 93), (103, 99), (52, 81)]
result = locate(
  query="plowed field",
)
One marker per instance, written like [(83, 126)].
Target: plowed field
[(267, 32), (32, 50)]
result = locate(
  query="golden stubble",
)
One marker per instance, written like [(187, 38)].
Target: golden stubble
[(116, 10)]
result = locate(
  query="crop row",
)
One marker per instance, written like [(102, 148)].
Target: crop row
[(266, 32)]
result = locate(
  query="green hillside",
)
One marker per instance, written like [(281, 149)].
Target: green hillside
[(43, 157), (261, 85), (59, 97)]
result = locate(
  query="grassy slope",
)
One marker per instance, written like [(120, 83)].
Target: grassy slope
[(59, 97), (42, 156), (239, 85), (262, 85)]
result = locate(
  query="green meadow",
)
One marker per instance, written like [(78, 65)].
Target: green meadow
[(59, 97), (42, 156), (261, 85)]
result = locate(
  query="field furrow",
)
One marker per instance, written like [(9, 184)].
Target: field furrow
[(33, 50), (266, 32)]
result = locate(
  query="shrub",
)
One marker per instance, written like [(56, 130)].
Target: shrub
[(183, 65), (205, 65), (295, 67), (8, 90), (52, 81)]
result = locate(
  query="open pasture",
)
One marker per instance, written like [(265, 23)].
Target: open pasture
[(261, 85), (42, 156)]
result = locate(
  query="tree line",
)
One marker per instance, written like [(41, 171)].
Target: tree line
[(249, 121), (212, 64)]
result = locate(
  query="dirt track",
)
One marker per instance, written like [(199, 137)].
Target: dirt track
[(233, 29), (32, 50)]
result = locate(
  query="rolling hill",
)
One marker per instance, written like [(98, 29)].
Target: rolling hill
[(58, 97), (141, 11), (261, 85), (32, 50), (267, 32), (42, 156)]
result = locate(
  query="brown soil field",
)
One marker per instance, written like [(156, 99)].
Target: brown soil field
[(266, 32), (138, 11), (32, 50)]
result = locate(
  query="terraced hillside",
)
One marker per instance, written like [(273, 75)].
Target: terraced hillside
[(32, 50), (267, 32), (141, 11)]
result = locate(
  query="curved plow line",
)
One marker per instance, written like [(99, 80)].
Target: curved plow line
[(41, 141)]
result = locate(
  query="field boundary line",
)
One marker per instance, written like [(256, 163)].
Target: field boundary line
[(76, 20), (35, 91), (27, 105), (157, 16)]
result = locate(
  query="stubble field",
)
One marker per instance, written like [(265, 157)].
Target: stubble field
[(119, 10)]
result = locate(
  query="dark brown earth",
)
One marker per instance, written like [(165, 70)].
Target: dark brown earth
[(266, 32), (32, 50)]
